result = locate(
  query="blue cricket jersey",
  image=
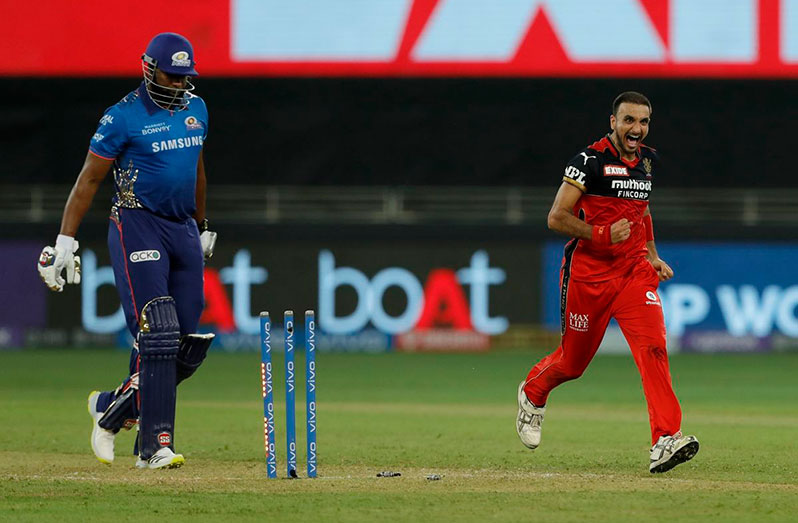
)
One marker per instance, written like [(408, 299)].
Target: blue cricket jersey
[(155, 153)]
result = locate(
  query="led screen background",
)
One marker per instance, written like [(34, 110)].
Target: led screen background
[(552, 38)]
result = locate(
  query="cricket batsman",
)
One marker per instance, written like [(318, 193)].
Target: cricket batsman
[(611, 269), (158, 239)]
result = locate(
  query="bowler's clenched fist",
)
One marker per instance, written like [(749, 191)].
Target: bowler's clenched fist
[(620, 230)]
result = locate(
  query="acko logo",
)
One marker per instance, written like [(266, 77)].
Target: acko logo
[(145, 256)]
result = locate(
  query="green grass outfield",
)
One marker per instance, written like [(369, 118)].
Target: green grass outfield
[(419, 414)]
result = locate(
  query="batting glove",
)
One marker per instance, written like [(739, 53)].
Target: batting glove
[(53, 261), (208, 242)]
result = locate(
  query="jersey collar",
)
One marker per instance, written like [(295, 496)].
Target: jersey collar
[(151, 107), (614, 151)]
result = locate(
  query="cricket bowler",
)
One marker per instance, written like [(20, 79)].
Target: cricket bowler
[(611, 269)]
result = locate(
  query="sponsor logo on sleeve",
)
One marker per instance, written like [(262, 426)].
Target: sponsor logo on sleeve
[(575, 174), (106, 119), (615, 170), (98, 137)]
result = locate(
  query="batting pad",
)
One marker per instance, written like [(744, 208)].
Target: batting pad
[(159, 335), (121, 411), (191, 354)]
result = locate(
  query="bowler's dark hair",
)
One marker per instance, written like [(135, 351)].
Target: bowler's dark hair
[(630, 97)]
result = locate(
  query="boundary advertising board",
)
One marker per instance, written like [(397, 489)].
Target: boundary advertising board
[(376, 295), (723, 297)]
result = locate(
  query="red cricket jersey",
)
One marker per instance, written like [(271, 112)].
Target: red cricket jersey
[(613, 188)]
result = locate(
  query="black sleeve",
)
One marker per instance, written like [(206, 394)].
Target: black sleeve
[(581, 170)]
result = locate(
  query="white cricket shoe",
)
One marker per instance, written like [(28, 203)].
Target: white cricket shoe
[(164, 458), (529, 419), (102, 441), (670, 451)]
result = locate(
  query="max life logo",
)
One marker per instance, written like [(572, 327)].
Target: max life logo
[(578, 322)]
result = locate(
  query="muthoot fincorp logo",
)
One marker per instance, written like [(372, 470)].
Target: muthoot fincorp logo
[(636, 185)]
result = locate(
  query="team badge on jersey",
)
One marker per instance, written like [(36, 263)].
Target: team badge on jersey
[(193, 123), (647, 165)]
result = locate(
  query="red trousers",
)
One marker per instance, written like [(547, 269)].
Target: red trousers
[(587, 307)]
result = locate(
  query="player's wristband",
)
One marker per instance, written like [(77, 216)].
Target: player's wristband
[(601, 235), (649, 228)]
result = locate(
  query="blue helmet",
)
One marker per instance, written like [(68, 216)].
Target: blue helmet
[(171, 53)]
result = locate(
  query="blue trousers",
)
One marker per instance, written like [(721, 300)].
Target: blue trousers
[(151, 257)]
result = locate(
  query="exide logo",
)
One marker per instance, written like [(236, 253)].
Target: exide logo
[(615, 170)]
